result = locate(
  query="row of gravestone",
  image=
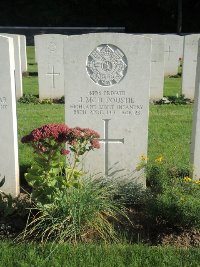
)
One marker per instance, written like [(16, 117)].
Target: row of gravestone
[(107, 84), (166, 55), (20, 60)]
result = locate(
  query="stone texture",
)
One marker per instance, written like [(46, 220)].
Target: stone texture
[(195, 148), (107, 79), (9, 167), (172, 52), (189, 64), (49, 50), (157, 66), (23, 52), (18, 68)]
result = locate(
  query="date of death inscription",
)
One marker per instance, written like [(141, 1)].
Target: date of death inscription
[(106, 103)]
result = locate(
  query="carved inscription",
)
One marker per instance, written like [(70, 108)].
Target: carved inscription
[(3, 103), (107, 103), (106, 65)]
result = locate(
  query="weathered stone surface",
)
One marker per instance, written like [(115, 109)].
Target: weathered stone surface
[(49, 50), (195, 148), (157, 66), (9, 167), (23, 52), (172, 52), (189, 64), (107, 79), (18, 68)]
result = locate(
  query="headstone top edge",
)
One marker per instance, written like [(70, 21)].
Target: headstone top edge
[(48, 34), (107, 35)]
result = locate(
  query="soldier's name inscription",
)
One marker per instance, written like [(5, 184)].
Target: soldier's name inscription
[(106, 103)]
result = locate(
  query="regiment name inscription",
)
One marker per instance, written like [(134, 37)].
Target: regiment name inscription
[(106, 103)]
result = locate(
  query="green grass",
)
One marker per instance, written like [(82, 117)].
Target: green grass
[(30, 85), (170, 129), (91, 255), (30, 116), (32, 66), (172, 86)]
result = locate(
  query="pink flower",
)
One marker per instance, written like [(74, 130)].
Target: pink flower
[(95, 144), (64, 152), (57, 132)]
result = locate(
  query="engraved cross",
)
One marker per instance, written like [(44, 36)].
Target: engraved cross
[(53, 73), (169, 51), (106, 142)]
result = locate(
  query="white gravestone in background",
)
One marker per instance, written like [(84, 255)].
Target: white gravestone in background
[(9, 167), (107, 79), (23, 52), (195, 148), (172, 52), (157, 66), (189, 65), (18, 68), (49, 49), (35, 46)]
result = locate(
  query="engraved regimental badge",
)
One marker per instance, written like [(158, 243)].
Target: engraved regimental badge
[(106, 65)]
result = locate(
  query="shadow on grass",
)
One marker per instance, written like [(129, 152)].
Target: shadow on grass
[(23, 183)]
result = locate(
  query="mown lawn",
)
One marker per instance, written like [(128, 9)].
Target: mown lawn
[(91, 255)]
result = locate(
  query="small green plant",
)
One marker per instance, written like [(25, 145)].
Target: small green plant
[(77, 214), (68, 205), (27, 99), (176, 100), (55, 168), (174, 196), (59, 100)]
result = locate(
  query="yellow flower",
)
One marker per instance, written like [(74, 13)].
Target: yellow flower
[(159, 159), (197, 182), (143, 158), (187, 179)]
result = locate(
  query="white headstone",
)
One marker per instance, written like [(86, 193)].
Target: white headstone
[(18, 67), (49, 49), (172, 52), (23, 52), (189, 65), (195, 148), (35, 46), (157, 66), (9, 167), (107, 79)]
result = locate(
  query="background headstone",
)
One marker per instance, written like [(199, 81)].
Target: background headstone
[(23, 52), (107, 79), (9, 167), (49, 50), (157, 66), (18, 67), (195, 149), (36, 45), (189, 64), (173, 50)]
